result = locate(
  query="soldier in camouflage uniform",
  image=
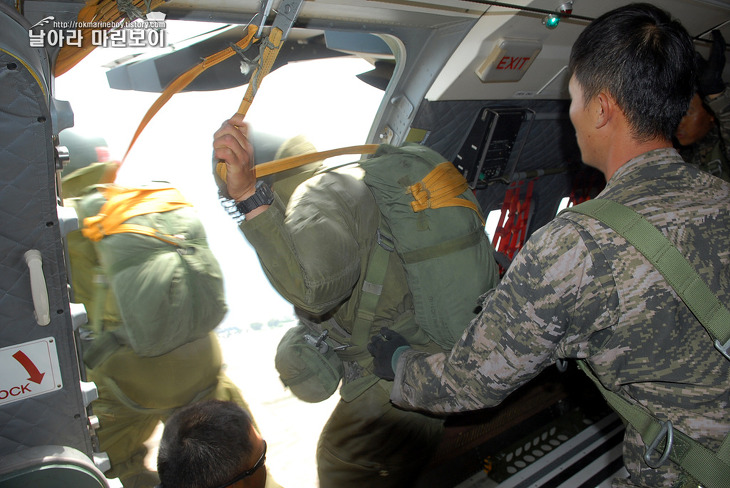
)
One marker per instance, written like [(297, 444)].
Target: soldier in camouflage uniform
[(579, 290), (703, 135)]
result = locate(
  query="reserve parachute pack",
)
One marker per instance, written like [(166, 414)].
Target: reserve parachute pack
[(154, 258), (432, 221)]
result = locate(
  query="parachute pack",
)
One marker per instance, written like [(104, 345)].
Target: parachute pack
[(153, 258), (432, 221), (436, 226)]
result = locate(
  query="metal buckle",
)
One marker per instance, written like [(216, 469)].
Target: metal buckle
[(264, 11), (229, 205), (666, 431), (723, 348), (286, 15), (318, 343), (384, 242), (561, 364)]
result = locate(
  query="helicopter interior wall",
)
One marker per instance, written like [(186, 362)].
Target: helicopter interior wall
[(549, 145)]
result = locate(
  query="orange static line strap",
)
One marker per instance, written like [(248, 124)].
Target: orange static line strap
[(124, 203), (440, 188), (284, 164), (271, 51), (188, 77), (279, 165)]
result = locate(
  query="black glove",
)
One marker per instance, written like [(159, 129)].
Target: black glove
[(709, 80), (382, 347)]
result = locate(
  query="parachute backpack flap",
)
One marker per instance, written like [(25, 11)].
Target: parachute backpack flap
[(153, 249), (437, 230)]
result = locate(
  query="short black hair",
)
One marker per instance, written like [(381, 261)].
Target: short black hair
[(645, 60), (204, 445)]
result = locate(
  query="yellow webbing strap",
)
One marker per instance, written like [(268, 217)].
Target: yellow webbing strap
[(186, 78), (102, 12), (124, 203), (441, 188), (266, 61), (279, 165), (271, 51)]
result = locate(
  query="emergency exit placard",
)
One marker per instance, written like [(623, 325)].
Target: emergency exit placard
[(509, 60), (28, 370)]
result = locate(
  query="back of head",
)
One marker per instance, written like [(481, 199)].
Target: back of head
[(204, 445), (645, 60)]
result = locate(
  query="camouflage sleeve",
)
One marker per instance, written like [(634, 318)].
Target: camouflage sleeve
[(720, 106), (547, 306), (309, 250)]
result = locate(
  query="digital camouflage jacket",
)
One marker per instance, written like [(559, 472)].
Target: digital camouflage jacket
[(712, 153), (578, 290)]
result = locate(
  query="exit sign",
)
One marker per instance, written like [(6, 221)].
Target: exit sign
[(509, 60)]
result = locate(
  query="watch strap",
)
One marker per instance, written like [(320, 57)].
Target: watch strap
[(262, 196)]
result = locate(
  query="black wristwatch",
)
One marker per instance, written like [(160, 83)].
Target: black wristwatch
[(237, 210), (263, 196)]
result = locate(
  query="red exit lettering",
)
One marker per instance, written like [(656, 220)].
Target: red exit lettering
[(15, 391), (508, 62)]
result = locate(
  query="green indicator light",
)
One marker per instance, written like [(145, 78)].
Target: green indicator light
[(551, 21)]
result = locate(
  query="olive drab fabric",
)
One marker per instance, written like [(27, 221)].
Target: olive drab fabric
[(155, 261), (440, 239), (577, 290), (135, 392), (307, 362), (316, 251), (434, 244)]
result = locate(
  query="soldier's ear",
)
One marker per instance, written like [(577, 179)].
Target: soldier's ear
[(604, 109)]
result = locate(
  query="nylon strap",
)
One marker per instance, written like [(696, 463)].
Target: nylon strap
[(698, 461), (272, 45), (440, 188), (370, 296), (279, 165), (444, 248), (144, 231), (710, 469), (124, 203), (179, 83), (362, 325), (680, 274)]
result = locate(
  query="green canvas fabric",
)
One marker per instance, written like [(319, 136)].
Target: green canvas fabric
[(166, 295), (445, 252)]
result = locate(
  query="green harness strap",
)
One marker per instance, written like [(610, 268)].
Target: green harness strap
[(372, 288), (710, 469)]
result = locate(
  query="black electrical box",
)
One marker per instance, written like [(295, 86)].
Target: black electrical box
[(485, 154)]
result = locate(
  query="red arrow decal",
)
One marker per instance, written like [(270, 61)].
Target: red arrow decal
[(35, 375)]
